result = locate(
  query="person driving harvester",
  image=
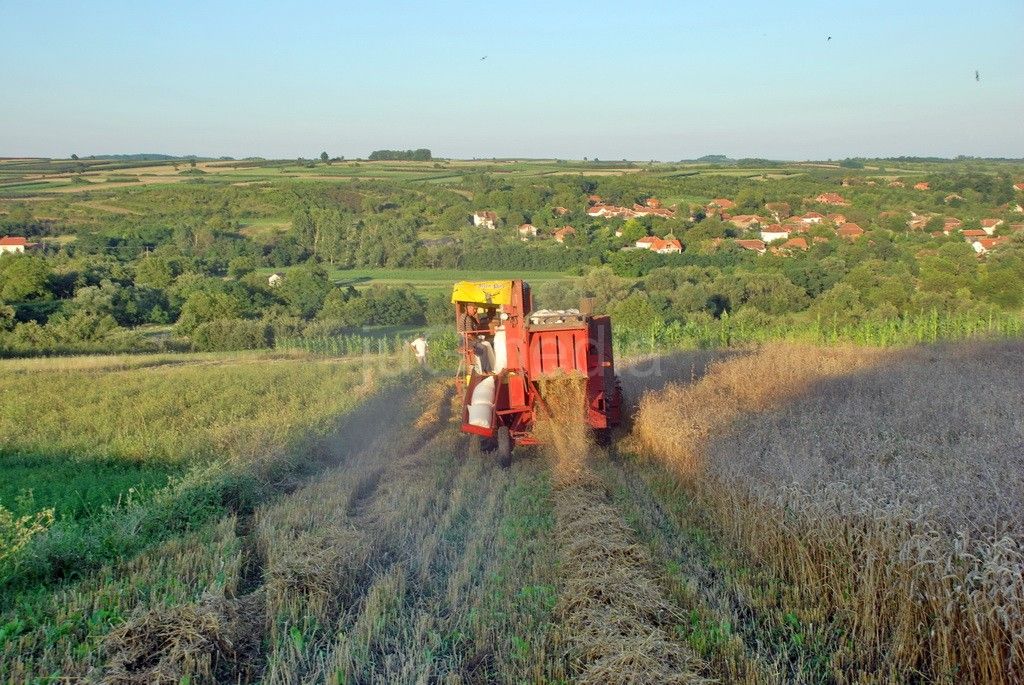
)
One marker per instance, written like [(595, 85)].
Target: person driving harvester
[(470, 323)]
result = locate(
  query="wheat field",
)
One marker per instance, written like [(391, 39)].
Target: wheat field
[(776, 514)]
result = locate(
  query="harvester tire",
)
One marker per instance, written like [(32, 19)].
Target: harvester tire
[(504, 446)]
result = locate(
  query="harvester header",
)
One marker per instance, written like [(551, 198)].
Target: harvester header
[(483, 293)]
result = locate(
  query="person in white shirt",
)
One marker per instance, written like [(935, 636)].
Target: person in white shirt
[(419, 346)]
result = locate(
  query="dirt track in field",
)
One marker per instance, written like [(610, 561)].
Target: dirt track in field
[(419, 559)]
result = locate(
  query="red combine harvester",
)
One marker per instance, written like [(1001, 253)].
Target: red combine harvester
[(507, 348)]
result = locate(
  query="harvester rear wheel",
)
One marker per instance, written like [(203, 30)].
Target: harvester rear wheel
[(504, 446)]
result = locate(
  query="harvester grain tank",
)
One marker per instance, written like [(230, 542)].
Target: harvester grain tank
[(508, 349)]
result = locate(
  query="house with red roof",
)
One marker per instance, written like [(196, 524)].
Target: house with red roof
[(561, 211), (990, 225), (774, 232), (594, 199), (896, 184), (795, 244), (837, 219), (972, 233), (984, 245), (951, 224), (652, 210), (832, 199), (1019, 186), (563, 232), (486, 219), (811, 218), (646, 242), (720, 203), (754, 245), (667, 245), (923, 185), (745, 221), (610, 212), (13, 244), (850, 231)]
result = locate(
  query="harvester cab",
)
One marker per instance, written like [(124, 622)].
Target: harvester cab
[(507, 350)]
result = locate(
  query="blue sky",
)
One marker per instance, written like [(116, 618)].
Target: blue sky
[(636, 80)]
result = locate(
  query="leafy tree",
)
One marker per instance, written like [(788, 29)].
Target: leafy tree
[(324, 156), (305, 289), (155, 272), (241, 266), (231, 334), (203, 306), (24, 277), (635, 312)]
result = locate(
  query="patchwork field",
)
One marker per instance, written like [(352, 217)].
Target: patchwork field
[(735, 532)]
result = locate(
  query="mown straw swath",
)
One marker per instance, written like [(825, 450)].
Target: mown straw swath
[(613, 616)]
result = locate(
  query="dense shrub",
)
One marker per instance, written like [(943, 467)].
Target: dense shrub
[(231, 334)]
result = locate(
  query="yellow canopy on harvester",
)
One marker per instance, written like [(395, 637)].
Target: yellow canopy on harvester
[(483, 292)]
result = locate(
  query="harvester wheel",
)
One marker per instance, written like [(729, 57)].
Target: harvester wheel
[(504, 446)]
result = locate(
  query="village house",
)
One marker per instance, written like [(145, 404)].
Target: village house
[(15, 245), (774, 232), (594, 199), (563, 232), (561, 211), (896, 184), (275, 279), (953, 198), (610, 212), (850, 231), (990, 225), (831, 199), (923, 185), (527, 231), (837, 219), (811, 218), (1019, 186), (951, 224), (668, 245), (754, 245), (984, 245), (646, 242), (795, 244), (486, 219), (745, 221), (972, 233), (652, 207), (720, 203)]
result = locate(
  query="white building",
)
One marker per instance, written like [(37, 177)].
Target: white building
[(485, 219)]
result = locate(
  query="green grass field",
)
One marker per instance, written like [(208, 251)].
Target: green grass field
[(77, 433), (426, 279)]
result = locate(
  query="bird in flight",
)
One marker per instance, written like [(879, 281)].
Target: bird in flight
[(828, 39), (483, 58), (977, 76)]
